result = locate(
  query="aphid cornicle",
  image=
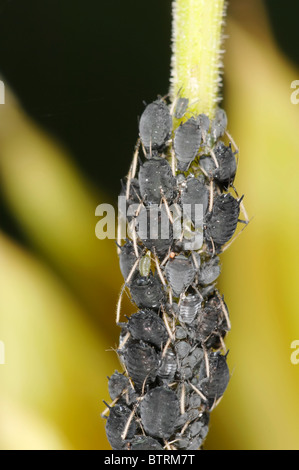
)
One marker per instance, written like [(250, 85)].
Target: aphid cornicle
[(221, 222), (187, 141), (155, 178), (115, 426), (155, 126), (146, 325), (159, 411), (180, 273), (142, 362)]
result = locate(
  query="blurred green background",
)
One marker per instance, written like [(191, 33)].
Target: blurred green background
[(76, 74)]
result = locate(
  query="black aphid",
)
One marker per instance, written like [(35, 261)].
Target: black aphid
[(147, 326), (189, 307), (187, 141), (181, 107), (209, 271), (168, 366), (142, 362), (159, 411), (180, 273), (213, 383), (154, 229), (147, 292), (222, 221), (226, 171), (156, 179), (195, 192), (219, 124), (155, 125), (212, 323), (127, 259), (194, 434), (116, 424), (119, 385), (174, 371)]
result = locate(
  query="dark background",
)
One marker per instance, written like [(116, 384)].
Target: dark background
[(82, 70)]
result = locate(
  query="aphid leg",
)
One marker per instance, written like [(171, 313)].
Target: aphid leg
[(170, 334), (125, 431), (198, 293), (224, 310), (216, 403), (213, 246), (211, 202), (133, 168), (214, 157), (234, 238), (202, 396), (169, 214), (185, 427), (159, 270), (222, 344), (173, 162), (118, 308), (168, 342), (206, 361), (127, 336), (183, 399), (170, 296)]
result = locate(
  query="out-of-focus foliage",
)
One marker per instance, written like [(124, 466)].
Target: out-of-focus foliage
[(58, 293)]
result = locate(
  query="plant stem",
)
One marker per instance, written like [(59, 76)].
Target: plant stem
[(196, 60)]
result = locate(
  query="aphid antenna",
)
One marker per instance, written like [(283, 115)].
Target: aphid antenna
[(232, 141)]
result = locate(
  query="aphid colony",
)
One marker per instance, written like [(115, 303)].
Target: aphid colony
[(172, 349)]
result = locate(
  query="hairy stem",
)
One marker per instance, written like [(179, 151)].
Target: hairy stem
[(196, 60)]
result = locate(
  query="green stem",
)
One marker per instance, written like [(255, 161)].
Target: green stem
[(196, 60)]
